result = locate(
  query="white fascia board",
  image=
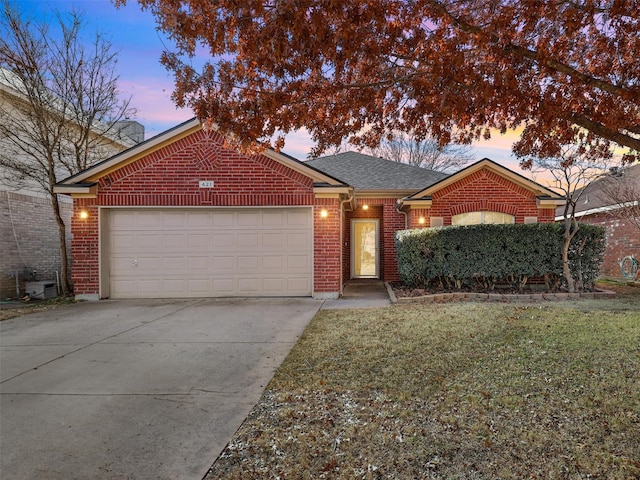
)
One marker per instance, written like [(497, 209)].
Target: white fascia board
[(608, 208)]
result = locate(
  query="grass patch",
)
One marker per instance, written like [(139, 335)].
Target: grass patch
[(452, 391), (17, 309)]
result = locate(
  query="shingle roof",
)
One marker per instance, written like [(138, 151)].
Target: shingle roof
[(592, 197), (366, 172)]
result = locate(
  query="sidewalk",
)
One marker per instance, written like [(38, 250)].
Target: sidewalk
[(360, 294)]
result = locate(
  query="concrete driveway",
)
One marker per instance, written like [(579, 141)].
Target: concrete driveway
[(136, 389)]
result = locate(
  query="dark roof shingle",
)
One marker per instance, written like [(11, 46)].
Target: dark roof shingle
[(366, 172)]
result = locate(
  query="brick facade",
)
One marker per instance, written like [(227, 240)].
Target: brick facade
[(29, 240), (623, 239), (170, 177), (483, 190)]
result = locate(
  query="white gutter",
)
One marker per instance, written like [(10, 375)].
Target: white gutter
[(607, 208)]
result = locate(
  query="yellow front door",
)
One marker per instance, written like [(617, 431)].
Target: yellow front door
[(364, 248)]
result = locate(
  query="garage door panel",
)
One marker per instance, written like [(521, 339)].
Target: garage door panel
[(224, 286), (273, 262), (248, 263), (124, 220), (122, 240), (175, 287), (274, 218), (173, 241), (274, 286), (152, 243), (174, 265), (274, 240), (223, 263), (198, 264), (248, 240), (298, 263), (174, 220), (202, 286), (248, 219), (148, 287), (223, 240), (197, 242), (150, 220), (298, 218), (250, 285), (298, 240), (222, 219), (199, 219), (210, 252)]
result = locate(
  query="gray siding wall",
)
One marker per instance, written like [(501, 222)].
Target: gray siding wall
[(29, 239)]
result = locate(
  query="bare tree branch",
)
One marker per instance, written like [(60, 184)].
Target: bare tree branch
[(59, 103)]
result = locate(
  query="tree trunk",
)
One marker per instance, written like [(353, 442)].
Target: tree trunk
[(64, 259), (569, 233)]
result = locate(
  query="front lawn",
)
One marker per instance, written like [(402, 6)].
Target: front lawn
[(456, 391)]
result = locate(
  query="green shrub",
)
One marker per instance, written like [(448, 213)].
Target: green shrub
[(485, 255)]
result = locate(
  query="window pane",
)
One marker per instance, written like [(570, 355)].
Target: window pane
[(497, 217), (469, 218), (475, 218)]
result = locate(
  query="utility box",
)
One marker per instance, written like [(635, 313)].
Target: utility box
[(41, 290)]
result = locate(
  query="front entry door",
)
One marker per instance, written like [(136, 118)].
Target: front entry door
[(364, 249)]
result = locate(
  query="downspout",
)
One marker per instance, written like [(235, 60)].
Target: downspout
[(406, 220), (342, 202)]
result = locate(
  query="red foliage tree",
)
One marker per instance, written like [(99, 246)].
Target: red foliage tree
[(451, 69)]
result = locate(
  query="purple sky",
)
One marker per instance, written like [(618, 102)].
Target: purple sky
[(132, 32)]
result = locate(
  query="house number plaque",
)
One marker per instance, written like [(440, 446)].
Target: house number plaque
[(206, 183)]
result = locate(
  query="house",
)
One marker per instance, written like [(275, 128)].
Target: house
[(601, 203), (29, 238), (185, 215)]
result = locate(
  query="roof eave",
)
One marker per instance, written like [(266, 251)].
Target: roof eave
[(77, 189)]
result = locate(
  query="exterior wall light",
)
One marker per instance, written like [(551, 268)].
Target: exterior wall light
[(324, 213), (84, 214), (365, 207), (421, 220)]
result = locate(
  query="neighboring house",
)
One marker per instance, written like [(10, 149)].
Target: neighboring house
[(596, 206), (29, 238), (182, 215)]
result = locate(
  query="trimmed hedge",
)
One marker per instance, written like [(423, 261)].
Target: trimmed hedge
[(486, 255)]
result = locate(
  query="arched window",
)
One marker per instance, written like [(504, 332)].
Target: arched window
[(475, 218)]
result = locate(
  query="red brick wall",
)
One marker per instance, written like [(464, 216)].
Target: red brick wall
[(170, 176), (623, 239), (326, 246), (483, 190), (85, 272)]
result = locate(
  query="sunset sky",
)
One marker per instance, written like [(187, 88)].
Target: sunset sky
[(133, 33)]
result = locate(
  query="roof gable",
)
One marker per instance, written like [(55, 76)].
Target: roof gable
[(91, 175), (488, 164), (366, 172)]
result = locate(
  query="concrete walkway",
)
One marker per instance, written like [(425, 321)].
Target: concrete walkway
[(148, 389), (363, 293)]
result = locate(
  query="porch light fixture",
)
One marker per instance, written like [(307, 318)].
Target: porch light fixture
[(421, 220), (324, 213), (365, 207), (84, 214)]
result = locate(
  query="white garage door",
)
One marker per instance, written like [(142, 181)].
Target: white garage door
[(209, 252)]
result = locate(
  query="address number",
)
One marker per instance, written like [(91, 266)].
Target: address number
[(206, 183)]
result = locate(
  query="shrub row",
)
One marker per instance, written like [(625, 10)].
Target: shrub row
[(486, 255)]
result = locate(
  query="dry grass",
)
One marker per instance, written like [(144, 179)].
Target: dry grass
[(17, 309), (456, 391)]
